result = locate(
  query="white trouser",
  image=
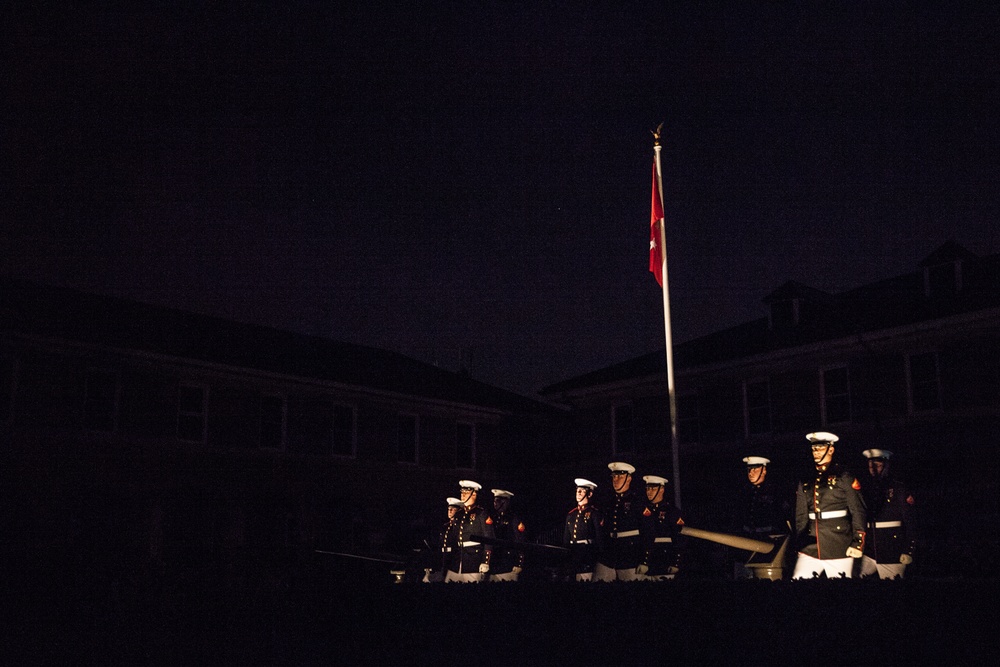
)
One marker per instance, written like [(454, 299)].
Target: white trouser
[(807, 567), (604, 573), (506, 576), (585, 576), (885, 570), (464, 578)]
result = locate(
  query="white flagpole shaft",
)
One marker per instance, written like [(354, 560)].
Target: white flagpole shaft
[(671, 395)]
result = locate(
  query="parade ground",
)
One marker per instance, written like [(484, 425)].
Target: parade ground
[(369, 620)]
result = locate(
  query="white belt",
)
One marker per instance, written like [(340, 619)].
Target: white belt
[(664, 539), (626, 533), (579, 542), (836, 514), (446, 549), (469, 544), (888, 524)]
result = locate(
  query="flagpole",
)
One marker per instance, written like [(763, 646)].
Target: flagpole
[(671, 395)]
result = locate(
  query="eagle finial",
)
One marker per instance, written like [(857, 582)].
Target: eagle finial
[(656, 134)]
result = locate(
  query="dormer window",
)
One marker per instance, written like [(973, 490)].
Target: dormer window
[(784, 314), (943, 279), (943, 270), (794, 304)]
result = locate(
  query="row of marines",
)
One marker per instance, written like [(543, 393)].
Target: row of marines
[(838, 522), (636, 538)]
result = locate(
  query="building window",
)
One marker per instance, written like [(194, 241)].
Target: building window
[(757, 406), (923, 383), (835, 395), (343, 430), (407, 434), (100, 400), (191, 413), (689, 418), (623, 429), (6, 389), (273, 415), (465, 445)]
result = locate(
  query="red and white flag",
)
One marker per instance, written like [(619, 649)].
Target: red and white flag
[(655, 216)]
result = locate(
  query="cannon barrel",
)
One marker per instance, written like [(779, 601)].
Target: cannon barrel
[(757, 546)]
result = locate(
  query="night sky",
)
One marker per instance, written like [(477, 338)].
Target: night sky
[(475, 175)]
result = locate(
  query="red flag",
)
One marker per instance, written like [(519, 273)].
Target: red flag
[(656, 215)]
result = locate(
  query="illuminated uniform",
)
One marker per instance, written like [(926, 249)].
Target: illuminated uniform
[(622, 549), (450, 551), (476, 521), (582, 536), (829, 519)]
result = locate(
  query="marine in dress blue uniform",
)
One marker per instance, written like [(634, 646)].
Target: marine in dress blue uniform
[(829, 516), (763, 508), (582, 534), (506, 562), (662, 542), (474, 556), (892, 520), (622, 551), (448, 542)]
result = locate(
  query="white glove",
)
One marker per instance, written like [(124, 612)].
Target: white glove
[(484, 568), (905, 559), (854, 553), (672, 570), (642, 568), (515, 570)]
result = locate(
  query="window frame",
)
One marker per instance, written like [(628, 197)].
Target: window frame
[(825, 396), (116, 389), (472, 445), (334, 451), (282, 426), (911, 385), (684, 421), (748, 409), (619, 448), (416, 437), (203, 413)]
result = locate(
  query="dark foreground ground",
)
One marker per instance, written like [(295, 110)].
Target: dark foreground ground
[(364, 619)]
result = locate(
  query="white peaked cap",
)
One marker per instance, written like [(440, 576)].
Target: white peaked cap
[(756, 460)]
